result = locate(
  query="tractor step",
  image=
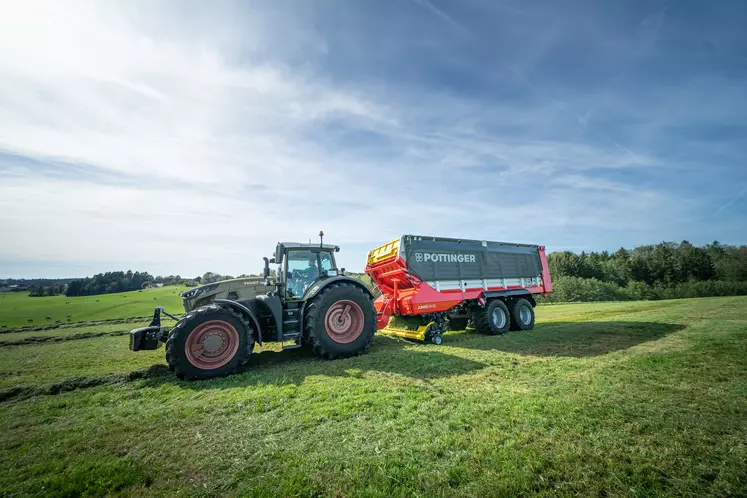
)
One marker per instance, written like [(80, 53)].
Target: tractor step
[(292, 338), (290, 327)]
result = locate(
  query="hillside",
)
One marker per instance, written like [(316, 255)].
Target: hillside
[(17, 309)]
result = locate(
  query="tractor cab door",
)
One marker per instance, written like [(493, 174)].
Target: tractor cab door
[(303, 267)]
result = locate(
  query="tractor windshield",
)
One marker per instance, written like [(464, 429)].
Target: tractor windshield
[(304, 267), (325, 258)]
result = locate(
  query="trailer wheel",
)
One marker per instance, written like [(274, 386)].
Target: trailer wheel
[(211, 341), (340, 321), (522, 315), (493, 319)]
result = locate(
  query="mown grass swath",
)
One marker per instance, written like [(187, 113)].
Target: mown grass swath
[(634, 398)]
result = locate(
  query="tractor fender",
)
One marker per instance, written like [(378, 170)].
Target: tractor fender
[(511, 293), (245, 312), (317, 287), (274, 305)]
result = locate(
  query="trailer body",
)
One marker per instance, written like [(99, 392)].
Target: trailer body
[(424, 275)]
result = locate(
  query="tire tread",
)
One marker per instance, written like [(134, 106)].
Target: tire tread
[(176, 360), (313, 320), (481, 318), (516, 316)]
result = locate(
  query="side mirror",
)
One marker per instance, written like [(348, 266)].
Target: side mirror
[(267, 268)]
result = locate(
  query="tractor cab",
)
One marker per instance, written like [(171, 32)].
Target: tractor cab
[(301, 265)]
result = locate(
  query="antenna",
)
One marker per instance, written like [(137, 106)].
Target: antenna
[(321, 239)]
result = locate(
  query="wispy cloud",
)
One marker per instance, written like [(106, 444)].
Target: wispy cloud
[(650, 27), (731, 202), (427, 4), (178, 140)]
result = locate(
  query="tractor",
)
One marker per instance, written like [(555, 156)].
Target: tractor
[(309, 302)]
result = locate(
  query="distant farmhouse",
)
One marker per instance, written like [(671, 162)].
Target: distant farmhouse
[(14, 288)]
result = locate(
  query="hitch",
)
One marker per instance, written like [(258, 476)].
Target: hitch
[(152, 336), (156, 322)]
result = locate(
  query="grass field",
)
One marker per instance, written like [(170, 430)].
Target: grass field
[(17, 309), (635, 398)]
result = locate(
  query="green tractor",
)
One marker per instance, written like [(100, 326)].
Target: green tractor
[(309, 303)]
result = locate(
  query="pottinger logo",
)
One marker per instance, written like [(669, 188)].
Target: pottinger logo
[(445, 258)]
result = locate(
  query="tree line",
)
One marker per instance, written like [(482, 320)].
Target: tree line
[(667, 270), (108, 283), (42, 290), (120, 281), (112, 282)]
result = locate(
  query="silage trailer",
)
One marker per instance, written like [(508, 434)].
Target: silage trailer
[(430, 284)]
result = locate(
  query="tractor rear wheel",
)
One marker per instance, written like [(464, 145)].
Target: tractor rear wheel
[(340, 321), (522, 315), (493, 319), (211, 341)]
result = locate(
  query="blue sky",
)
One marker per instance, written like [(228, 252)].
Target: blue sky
[(184, 137)]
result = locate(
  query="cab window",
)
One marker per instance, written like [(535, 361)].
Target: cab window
[(300, 260), (304, 268), (326, 259)]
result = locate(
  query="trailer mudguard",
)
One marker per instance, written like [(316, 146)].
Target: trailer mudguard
[(246, 312), (318, 286), (511, 293)]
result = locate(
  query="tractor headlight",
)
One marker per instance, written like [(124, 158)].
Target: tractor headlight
[(191, 294)]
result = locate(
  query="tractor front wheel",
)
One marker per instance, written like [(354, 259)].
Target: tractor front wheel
[(211, 341), (340, 321)]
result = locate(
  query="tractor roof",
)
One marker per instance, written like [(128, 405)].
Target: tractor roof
[(298, 245)]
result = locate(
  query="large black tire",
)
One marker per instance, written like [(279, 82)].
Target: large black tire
[(493, 319), (211, 341), (332, 320), (522, 315)]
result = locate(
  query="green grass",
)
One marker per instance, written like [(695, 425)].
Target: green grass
[(636, 398), (17, 308), (74, 330)]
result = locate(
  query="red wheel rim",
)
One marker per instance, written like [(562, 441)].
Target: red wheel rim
[(211, 344), (344, 321)]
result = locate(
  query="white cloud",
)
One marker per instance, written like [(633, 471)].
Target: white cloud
[(88, 87), (217, 146)]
